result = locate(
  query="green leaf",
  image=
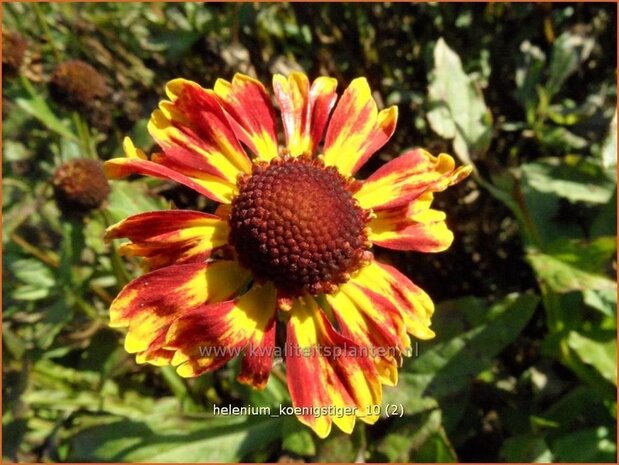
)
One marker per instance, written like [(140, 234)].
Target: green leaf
[(15, 151), (529, 75), (573, 265), (526, 448), (605, 222), (447, 367), (598, 349), (586, 446), (604, 301), (457, 107), (560, 139), (583, 403), (573, 178), (129, 198), (13, 433), (297, 438), (568, 53), (34, 272), (35, 105), (436, 449), (420, 437), (336, 448), (609, 146), (55, 317), (174, 439)]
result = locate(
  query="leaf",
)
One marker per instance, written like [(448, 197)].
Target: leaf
[(568, 53), (35, 105), (336, 448), (526, 448), (15, 151), (13, 433), (174, 439), (129, 198), (34, 272), (574, 265), (603, 301), (55, 317), (609, 146), (560, 139), (448, 366), (598, 349), (605, 223), (582, 402), (573, 178), (436, 449), (30, 292), (586, 446), (406, 435), (297, 438), (175, 42), (529, 76), (457, 107)]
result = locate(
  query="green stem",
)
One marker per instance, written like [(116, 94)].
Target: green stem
[(86, 140), (89, 310), (178, 388), (46, 32), (118, 267), (552, 305)]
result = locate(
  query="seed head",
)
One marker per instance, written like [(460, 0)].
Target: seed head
[(80, 186), (13, 51), (78, 85)]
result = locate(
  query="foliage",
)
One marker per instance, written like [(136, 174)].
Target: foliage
[(523, 367)]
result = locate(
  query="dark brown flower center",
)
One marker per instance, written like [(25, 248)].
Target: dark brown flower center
[(296, 223)]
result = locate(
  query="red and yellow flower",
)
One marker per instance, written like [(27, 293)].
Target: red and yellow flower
[(289, 247)]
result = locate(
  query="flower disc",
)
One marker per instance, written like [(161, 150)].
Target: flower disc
[(297, 224)]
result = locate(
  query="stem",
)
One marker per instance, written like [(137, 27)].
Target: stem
[(83, 133), (178, 387), (46, 32), (118, 268), (88, 309), (49, 258), (279, 375)]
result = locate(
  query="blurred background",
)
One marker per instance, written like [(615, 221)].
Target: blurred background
[(524, 364)]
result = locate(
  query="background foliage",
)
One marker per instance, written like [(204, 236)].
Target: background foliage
[(524, 364)]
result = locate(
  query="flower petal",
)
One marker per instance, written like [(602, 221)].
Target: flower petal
[(406, 177), (258, 359), (414, 304), (170, 237), (357, 130), (411, 227), (305, 111), (149, 304), (193, 130), (209, 185), (373, 322), (326, 370), (250, 113), (208, 336)]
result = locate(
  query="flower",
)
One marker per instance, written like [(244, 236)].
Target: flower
[(289, 244)]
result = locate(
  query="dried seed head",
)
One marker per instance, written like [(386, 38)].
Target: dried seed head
[(296, 223), (13, 51), (78, 85), (80, 186)]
